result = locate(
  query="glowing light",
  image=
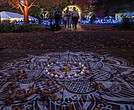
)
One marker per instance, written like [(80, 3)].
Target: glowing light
[(75, 74), (106, 20), (83, 65), (47, 71), (56, 75), (52, 74), (52, 63), (61, 76), (83, 70), (75, 62), (80, 63), (69, 76), (71, 9), (82, 73)]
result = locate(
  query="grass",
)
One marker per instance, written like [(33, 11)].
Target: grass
[(10, 28)]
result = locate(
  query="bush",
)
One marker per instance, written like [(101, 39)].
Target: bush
[(125, 25), (38, 28), (5, 21), (8, 28)]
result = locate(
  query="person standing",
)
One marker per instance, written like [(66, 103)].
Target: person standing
[(68, 17), (65, 18), (75, 17), (57, 17), (93, 17), (51, 20)]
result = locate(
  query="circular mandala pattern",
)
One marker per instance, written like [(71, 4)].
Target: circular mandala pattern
[(63, 81)]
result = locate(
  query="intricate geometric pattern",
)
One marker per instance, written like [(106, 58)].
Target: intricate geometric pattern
[(67, 81)]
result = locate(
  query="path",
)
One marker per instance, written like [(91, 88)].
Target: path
[(90, 27), (79, 28)]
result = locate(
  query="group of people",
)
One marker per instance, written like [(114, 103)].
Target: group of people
[(70, 18)]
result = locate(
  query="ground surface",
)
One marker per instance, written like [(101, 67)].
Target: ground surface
[(107, 52), (99, 38)]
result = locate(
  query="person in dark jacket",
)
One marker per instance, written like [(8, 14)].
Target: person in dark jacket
[(57, 17)]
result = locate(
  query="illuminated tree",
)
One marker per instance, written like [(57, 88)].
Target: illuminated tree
[(25, 5)]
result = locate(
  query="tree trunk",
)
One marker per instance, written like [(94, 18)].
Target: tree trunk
[(26, 12)]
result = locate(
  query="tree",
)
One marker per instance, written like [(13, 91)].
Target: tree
[(113, 6), (2, 2), (25, 5), (64, 4)]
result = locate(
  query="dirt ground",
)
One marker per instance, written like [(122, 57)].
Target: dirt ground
[(103, 39)]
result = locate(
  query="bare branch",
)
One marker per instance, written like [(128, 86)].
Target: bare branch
[(32, 4), (20, 6)]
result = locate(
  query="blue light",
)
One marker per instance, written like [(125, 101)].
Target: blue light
[(105, 20)]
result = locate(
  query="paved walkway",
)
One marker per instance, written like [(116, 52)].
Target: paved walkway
[(90, 27), (79, 28)]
